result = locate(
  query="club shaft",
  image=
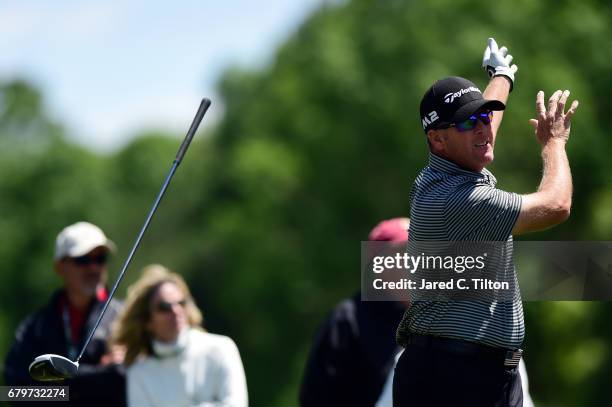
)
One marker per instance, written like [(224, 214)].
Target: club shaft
[(182, 149), (130, 256)]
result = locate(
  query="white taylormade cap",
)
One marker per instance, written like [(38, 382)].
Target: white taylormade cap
[(79, 239)]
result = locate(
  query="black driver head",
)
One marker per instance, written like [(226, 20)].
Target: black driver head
[(51, 367)]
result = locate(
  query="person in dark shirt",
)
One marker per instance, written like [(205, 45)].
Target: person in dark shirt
[(62, 325), (354, 351)]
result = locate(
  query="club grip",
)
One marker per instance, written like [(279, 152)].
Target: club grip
[(204, 105)]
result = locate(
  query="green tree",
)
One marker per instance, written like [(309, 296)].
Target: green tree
[(326, 140)]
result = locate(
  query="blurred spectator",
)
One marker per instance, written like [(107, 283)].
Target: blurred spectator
[(354, 350), (62, 326), (171, 360)]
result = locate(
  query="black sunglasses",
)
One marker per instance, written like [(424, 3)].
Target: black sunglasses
[(86, 260), (165, 306)]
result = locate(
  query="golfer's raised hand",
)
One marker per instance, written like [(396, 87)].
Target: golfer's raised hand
[(497, 62), (553, 124)]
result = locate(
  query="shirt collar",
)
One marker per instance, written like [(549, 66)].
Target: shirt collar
[(170, 349), (441, 164)]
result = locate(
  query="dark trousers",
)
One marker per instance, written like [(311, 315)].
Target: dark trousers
[(426, 377)]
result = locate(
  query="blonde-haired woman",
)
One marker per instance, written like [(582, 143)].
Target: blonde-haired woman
[(171, 360)]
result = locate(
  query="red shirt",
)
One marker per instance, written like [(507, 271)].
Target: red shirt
[(78, 317)]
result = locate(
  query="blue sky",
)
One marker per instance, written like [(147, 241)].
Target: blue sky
[(108, 68)]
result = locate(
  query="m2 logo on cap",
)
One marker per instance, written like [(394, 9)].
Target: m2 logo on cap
[(450, 97), (429, 118)]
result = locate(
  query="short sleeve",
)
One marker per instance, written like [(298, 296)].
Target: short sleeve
[(481, 212)]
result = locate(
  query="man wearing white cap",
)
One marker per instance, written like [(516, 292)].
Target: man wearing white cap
[(61, 327)]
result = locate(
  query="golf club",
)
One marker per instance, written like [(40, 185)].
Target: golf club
[(50, 367)]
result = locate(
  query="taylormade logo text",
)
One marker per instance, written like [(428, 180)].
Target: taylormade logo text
[(450, 97)]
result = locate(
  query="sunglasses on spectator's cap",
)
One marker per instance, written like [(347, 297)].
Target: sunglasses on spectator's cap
[(470, 122), (166, 306), (87, 260)]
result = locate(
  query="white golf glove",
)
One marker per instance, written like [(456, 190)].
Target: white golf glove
[(496, 61)]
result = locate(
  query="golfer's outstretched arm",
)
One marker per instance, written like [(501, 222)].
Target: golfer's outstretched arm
[(551, 204), (497, 89), (497, 62)]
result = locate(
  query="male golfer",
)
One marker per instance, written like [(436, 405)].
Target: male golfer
[(466, 353), (61, 327)]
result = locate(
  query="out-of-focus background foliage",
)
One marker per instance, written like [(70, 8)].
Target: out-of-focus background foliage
[(265, 215)]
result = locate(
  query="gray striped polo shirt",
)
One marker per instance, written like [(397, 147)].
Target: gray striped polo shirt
[(448, 203)]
